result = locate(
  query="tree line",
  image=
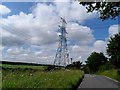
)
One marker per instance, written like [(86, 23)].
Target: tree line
[(97, 61)]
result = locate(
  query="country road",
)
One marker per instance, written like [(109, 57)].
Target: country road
[(97, 82)]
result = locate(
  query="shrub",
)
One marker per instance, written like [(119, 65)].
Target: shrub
[(106, 66), (118, 71), (86, 69)]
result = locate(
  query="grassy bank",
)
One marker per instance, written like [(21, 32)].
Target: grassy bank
[(111, 73), (31, 78)]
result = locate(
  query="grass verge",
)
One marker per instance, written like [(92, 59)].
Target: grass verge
[(67, 79), (110, 73)]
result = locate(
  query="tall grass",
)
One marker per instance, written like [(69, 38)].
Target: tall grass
[(41, 79)]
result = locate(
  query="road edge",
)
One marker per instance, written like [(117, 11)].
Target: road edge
[(113, 80), (76, 88)]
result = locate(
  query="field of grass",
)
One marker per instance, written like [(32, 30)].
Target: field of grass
[(32, 78), (0, 79), (22, 66), (110, 73)]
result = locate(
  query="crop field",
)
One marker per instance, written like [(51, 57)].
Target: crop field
[(26, 76)]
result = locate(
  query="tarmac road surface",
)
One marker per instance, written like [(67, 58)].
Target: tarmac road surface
[(97, 82)]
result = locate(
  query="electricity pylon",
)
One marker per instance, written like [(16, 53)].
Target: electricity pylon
[(62, 56)]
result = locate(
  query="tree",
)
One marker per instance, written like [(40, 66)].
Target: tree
[(107, 66), (85, 68), (95, 60), (107, 9), (113, 50), (75, 65)]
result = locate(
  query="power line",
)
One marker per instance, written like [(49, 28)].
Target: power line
[(14, 30)]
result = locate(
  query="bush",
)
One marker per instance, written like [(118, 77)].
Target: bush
[(118, 71), (75, 65), (106, 66), (49, 68), (95, 60), (86, 69)]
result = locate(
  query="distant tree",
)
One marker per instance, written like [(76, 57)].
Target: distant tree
[(85, 68), (75, 65), (113, 50), (106, 9), (95, 60), (78, 64)]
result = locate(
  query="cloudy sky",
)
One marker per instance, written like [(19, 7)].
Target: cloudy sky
[(30, 31)]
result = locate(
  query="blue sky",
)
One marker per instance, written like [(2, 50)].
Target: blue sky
[(17, 7), (87, 35), (101, 27)]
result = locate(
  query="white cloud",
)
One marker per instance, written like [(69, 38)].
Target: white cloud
[(114, 29), (5, 33), (81, 34), (4, 10), (1, 49), (73, 11), (80, 52), (35, 32), (100, 46), (17, 51), (41, 24), (39, 30), (10, 39), (84, 51), (27, 55)]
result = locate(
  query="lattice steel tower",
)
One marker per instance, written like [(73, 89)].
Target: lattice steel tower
[(62, 56)]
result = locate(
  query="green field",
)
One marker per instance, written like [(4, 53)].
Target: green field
[(34, 77), (110, 73), (23, 66)]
